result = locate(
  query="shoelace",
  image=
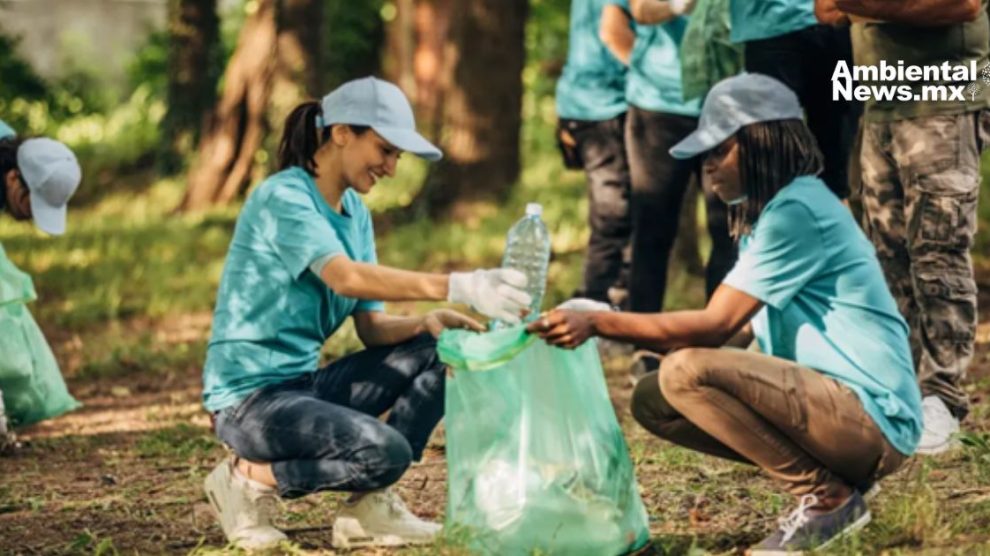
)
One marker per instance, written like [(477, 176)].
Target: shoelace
[(790, 524)]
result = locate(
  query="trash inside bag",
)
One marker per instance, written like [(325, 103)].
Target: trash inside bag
[(536, 459)]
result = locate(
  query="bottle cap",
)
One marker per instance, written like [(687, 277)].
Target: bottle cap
[(534, 209)]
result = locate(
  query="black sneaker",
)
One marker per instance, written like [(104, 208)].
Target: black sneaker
[(802, 531)]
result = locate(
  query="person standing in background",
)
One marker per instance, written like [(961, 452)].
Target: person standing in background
[(658, 118), (783, 39), (591, 106), (921, 180)]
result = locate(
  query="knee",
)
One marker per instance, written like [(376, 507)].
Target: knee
[(681, 371), (385, 460)]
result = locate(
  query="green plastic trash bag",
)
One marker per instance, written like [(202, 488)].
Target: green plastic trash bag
[(32, 385), (707, 54), (536, 460)]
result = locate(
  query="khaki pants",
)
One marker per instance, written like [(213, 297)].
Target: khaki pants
[(804, 429)]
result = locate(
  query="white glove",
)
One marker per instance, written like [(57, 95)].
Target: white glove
[(583, 304), (495, 293), (681, 7)]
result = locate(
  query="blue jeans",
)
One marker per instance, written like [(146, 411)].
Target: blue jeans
[(320, 431)]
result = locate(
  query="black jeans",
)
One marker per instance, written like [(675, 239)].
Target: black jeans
[(603, 153), (658, 185), (804, 61), (320, 431)]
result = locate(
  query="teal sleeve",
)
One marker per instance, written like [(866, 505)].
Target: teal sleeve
[(296, 230), (6, 130), (784, 253), (368, 255)]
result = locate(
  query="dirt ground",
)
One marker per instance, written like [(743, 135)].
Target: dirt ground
[(124, 473)]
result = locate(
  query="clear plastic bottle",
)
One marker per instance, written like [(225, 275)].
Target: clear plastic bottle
[(527, 249)]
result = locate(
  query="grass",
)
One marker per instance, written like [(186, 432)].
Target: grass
[(125, 300)]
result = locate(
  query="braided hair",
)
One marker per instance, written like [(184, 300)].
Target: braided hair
[(771, 155)]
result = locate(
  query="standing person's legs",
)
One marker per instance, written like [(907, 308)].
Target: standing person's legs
[(938, 159), (658, 185), (603, 151), (833, 123)]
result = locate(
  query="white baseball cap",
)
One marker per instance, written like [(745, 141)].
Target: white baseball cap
[(381, 106), (735, 102), (52, 175)]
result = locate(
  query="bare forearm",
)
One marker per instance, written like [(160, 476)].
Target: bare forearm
[(922, 13), (662, 331), (371, 281), (651, 12), (386, 330), (616, 34)]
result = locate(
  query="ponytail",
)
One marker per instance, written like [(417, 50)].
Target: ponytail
[(301, 138)]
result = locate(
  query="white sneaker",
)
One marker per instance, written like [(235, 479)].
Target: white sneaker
[(380, 518), (244, 508), (940, 426)]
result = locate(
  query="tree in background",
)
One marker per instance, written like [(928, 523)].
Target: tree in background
[(287, 51), (194, 64), (482, 105)]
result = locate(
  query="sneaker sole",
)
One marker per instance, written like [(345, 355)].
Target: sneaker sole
[(852, 528), (346, 543)]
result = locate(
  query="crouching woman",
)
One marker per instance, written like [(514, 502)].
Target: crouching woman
[(831, 405)]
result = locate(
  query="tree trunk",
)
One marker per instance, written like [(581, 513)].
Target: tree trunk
[(299, 47), (482, 107), (275, 66), (432, 30), (194, 60)]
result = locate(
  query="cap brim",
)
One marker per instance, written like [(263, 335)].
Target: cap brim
[(411, 142), (699, 142), (50, 219)]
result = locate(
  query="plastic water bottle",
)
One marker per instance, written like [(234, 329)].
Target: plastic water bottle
[(527, 249)]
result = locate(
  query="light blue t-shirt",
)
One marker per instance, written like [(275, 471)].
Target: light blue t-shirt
[(763, 19), (6, 130), (593, 84), (654, 81), (273, 314), (828, 306)]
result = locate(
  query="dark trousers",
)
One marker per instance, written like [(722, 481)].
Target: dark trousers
[(804, 61), (602, 149), (320, 431), (658, 185)]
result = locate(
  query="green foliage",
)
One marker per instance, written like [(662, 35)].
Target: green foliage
[(182, 441), (353, 38), (149, 67), (19, 79)]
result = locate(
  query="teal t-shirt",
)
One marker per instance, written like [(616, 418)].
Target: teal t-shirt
[(763, 19), (593, 84), (654, 81), (273, 314), (6, 130), (828, 306)]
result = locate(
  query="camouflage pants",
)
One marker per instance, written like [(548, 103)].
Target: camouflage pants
[(921, 179)]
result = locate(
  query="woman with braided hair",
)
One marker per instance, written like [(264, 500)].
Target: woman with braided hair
[(831, 404)]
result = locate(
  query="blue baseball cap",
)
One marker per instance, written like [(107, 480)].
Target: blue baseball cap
[(381, 106), (52, 175), (735, 102)]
